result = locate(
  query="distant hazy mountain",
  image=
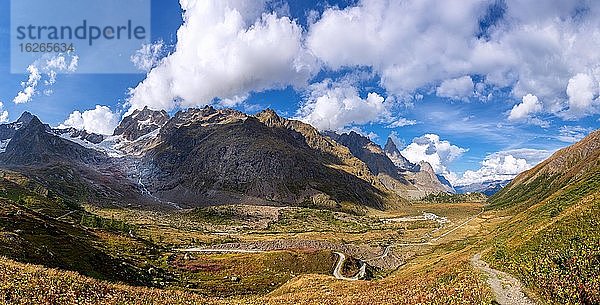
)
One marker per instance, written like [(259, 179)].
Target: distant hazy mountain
[(488, 188)]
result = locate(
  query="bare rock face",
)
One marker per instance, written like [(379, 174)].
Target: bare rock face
[(425, 180), (333, 152), (446, 183), (394, 154), (209, 156), (367, 151), (7, 131), (73, 133), (140, 123)]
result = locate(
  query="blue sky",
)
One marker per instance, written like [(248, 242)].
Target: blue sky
[(408, 64)]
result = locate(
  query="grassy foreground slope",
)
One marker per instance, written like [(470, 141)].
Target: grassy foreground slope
[(552, 240), (30, 284), (449, 279), (37, 228)]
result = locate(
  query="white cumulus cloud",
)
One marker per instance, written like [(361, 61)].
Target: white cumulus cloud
[(3, 113), (29, 86), (401, 122), (530, 105), (100, 120), (410, 44), (148, 56), (582, 91), (503, 165), (4, 117), (335, 106), (226, 50), (529, 48), (430, 148)]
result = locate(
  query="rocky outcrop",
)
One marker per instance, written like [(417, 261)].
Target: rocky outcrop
[(72, 133), (140, 123), (391, 150), (367, 151)]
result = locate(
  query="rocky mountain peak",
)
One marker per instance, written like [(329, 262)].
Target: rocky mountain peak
[(390, 146), (140, 123), (367, 151), (391, 150), (270, 118), (25, 118), (424, 166), (8, 130), (33, 123), (207, 116), (36, 143)]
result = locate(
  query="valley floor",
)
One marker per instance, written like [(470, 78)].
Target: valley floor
[(255, 255), (419, 253)]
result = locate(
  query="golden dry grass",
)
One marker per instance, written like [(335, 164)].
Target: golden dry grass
[(31, 284)]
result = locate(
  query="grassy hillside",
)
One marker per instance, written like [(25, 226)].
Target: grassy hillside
[(552, 240), (447, 281), (30, 284), (565, 167), (38, 226)]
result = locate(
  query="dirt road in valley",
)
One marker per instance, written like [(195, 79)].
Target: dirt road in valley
[(507, 289), (337, 271), (387, 259), (202, 250)]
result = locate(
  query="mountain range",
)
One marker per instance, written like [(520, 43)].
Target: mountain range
[(209, 156), (542, 227), (488, 188)]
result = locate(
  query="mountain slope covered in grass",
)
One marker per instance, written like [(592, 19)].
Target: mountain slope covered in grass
[(552, 240)]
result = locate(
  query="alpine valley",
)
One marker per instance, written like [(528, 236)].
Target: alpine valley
[(215, 206)]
